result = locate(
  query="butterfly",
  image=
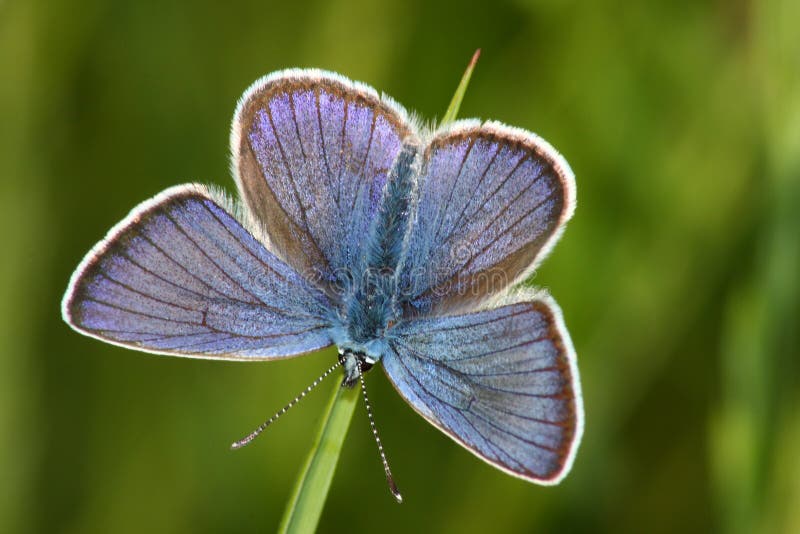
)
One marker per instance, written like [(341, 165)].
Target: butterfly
[(403, 246)]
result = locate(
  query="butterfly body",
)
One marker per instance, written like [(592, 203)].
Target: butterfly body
[(357, 228), (372, 301)]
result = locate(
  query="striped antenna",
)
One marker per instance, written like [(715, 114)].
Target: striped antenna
[(254, 434), (389, 477)]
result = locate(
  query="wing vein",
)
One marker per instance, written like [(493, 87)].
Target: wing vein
[(290, 175), (505, 431), (508, 229), (480, 323), (328, 172), (296, 126), (364, 163), (209, 258), (143, 314), (183, 268), (477, 188), (500, 185), (342, 162), (441, 219), (458, 411), (246, 248), (134, 290)]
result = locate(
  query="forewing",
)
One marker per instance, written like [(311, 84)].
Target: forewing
[(312, 152), (181, 276), (492, 202), (502, 382)]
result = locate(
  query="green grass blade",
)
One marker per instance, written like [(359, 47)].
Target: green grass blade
[(311, 490), (455, 104)]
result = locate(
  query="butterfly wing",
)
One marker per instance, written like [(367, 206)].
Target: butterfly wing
[(492, 202), (311, 154), (501, 382), (181, 276)]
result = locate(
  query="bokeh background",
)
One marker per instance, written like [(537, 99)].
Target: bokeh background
[(679, 275)]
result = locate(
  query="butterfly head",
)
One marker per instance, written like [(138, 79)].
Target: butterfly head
[(355, 363)]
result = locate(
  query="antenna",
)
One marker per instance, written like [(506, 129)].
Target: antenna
[(254, 434), (389, 477)]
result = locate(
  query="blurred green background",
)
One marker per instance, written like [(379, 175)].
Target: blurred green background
[(679, 275)]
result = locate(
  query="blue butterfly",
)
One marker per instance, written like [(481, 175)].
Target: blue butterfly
[(359, 228)]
